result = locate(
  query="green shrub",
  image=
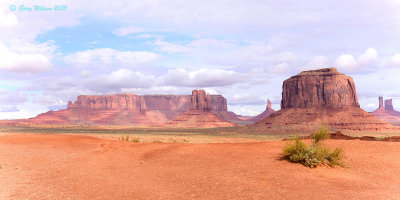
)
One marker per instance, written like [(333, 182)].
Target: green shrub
[(335, 157), (312, 155), (320, 135), (135, 140)]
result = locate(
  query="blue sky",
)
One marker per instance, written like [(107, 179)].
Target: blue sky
[(240, 49)]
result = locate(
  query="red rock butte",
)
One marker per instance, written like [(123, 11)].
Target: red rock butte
[(200, 114), (129, 109), (387, 112), (268, 111), (318, 98)]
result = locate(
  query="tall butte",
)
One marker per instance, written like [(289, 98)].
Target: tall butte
[(199, 114), (323, 97)]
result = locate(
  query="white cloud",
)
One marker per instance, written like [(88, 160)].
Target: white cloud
[(23, 62), (317, 62), (203, 78), (12, 97), (7, 109), (247, 110), (111, 56), (246, 99), (8, 20), (124, 31), (347, 62), (85, 74), (170, 47), (119, 79), (396, 59)]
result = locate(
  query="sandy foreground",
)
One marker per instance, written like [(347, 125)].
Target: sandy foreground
[(35, 166)]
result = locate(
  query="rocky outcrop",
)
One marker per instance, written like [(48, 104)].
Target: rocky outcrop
[(132, 109), (325, 88), (389, 105), (200, 114), (387, 112), (317, 98), (268, 111), (200, 100), (381, 103)]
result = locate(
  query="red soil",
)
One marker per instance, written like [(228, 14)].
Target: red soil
[(84, 167)]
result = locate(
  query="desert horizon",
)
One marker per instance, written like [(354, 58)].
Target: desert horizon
[(149, 99)]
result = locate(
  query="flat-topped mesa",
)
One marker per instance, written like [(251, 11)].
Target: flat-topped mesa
[(321, 98), (389, 104), (200, 100), (116, 101), (134, 109), (179, 103), (323, 88)]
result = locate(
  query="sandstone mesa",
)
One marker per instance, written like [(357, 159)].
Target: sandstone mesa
[(323, 97)]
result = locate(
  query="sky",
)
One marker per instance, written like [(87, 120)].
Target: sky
[(242, 50)]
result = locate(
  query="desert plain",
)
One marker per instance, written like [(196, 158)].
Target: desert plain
[(202, 165)]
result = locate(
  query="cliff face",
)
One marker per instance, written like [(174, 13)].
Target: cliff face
[(132, 108), (389, 104), (326, 88), (148, 102), (323, 97), (108, 102), (200, 114)]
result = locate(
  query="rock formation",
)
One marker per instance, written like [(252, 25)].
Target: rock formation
[(380, 103), (325, 88), (199, 115), (389, 105), (268, 111), (130, 109), (323, 97), (387, 112), (200, 100)]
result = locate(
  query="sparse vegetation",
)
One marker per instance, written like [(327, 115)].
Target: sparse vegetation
[(314, 154), (157, 141), (320, 135), (135, 140)]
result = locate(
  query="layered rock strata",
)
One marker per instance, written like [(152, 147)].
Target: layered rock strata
[(323, 97), (128, 109), (200, 114)]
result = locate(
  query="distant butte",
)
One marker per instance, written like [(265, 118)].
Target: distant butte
[(268, 111), (387, 112), (323, 97), (199, 115)]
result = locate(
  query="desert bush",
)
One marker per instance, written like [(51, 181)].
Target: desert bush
[(320, 135), (314, 154), (135, 140)]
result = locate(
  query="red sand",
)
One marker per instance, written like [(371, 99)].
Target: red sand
[(84, 167)]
